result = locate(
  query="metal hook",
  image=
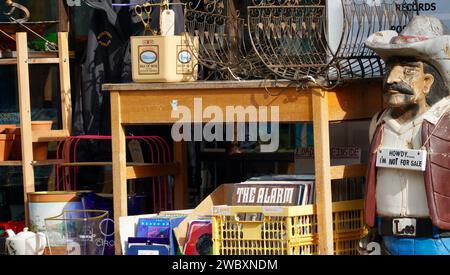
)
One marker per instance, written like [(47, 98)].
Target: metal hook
[(15, 6)]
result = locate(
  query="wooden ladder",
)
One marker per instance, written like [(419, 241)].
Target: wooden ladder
[(27, 136)]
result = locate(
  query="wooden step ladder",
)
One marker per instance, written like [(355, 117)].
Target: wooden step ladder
[(27, 136)]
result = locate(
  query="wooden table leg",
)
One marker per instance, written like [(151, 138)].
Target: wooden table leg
[(25, 119), (119, 167), (181, 180), (323, 176)]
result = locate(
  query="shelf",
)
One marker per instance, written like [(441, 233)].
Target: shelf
[(13, 61), (85, 164), (349, 171), (152, 170), (34, 163), (73, 164), (255, 156), (10, 163), (47, 136), (45, 162), (37, 58), (134, 170)]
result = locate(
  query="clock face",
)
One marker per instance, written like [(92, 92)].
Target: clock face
[(149, 57), (184, 57)]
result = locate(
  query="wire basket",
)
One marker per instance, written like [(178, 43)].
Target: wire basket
[(299, 39), (77, 232), (289, 37), (224, 42), (360, 19)]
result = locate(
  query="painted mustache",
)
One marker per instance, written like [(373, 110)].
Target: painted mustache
[(399, 87)]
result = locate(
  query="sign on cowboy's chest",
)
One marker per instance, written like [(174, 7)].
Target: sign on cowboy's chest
[(402, 159)]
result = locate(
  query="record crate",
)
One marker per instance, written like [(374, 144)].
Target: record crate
[(284, 230)]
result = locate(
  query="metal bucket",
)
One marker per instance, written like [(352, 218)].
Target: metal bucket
[(43, 205)]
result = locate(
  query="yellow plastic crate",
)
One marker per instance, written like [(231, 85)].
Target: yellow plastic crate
[(284, 230)]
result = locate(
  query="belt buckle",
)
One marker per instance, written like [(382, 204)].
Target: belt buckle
[(404, 227)]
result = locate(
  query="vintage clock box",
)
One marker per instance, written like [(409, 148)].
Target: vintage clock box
[(164, 58)]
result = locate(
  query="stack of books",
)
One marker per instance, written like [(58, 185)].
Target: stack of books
[(292, 190)]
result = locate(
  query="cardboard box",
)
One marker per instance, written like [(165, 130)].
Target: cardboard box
[(220, 196)]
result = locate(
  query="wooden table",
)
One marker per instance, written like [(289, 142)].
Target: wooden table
[(139, 104)]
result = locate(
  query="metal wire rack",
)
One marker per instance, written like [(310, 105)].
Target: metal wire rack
[(292, 39), (289, 37), (224, 43), (361, 18), (322, 39)]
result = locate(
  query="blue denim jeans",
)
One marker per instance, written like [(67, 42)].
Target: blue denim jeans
[(417, 246)]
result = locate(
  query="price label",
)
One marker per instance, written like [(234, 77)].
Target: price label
[(136, 151), (221, 211), (148, 253), (272, 209), (402, 159)]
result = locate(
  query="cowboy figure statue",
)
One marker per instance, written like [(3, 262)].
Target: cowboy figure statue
[(407, 202)]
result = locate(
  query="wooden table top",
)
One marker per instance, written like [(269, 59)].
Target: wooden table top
[(210, 85)]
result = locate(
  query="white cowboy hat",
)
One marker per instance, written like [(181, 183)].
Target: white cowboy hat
[(425, 38)]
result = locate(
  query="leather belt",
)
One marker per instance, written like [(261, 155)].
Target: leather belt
[(420, 228)]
